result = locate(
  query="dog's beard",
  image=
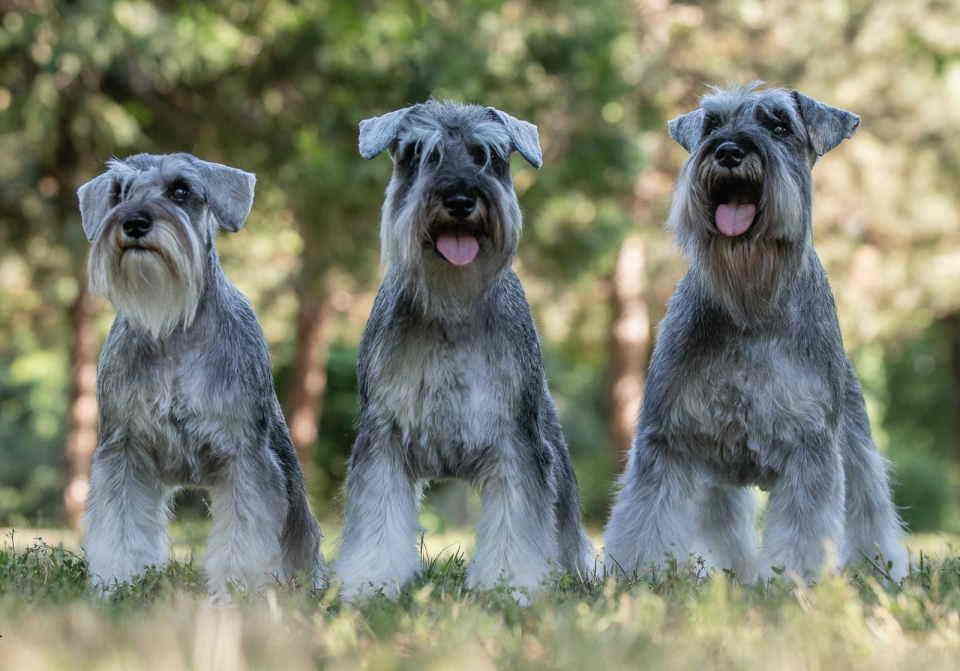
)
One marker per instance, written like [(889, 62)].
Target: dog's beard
[(744, 265), (156, 286), (412, 236)]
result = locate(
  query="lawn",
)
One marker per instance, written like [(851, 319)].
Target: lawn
[(664, 621)]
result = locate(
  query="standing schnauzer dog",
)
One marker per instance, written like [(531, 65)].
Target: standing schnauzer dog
[(749, 383), (451, 376), (184, 384)]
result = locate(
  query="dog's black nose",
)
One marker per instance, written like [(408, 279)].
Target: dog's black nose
[(729, 154), (137, 225), (460, 204)]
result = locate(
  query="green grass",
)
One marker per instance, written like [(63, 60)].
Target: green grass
[(670, 620)]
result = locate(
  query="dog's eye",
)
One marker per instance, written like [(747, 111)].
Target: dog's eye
[(478, 155), (710, 124), (780, 130), (179, 193)]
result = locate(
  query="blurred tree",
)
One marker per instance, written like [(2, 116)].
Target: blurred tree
[(278, 86)]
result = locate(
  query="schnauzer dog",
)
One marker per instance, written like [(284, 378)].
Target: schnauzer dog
[(749, 383), (184, 383), (451, 377)]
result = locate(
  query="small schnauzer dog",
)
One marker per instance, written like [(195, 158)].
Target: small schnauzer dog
[(184, 383), (451, 377), (749, 383)]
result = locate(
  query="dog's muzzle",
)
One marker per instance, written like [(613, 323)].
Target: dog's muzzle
[(457, 238), (734, 188)]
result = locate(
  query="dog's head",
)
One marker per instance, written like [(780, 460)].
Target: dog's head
[(151, 220), (451, 214), (751, 151)]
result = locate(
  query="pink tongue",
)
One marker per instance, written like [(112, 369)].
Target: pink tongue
[(735, 218), (458, 249)]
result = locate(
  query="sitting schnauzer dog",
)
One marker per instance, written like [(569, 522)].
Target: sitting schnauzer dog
[(184, 384), (749, 383), (451, 377)]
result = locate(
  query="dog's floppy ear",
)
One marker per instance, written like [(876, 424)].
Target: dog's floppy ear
[(229, 193), (686, 129), (379, 132), (826, 126), (94, 197), (523, 135)]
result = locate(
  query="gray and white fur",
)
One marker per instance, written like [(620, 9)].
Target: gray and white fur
[(451, 377), (184, 383), (749, 383)]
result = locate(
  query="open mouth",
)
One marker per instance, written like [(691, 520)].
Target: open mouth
[(459, 246), (734, 201)]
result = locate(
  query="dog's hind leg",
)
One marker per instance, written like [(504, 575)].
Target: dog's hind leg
[(301, 534), (874, 530)]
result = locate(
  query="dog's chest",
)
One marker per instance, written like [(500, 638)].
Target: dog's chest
[(179, 418), (745, 405), (446, 396)]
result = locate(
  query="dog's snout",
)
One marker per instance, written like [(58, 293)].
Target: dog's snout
[(137, 225), (460, 204), (729, 154)]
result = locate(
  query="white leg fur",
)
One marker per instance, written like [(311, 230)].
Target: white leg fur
[(805, 514), (726, 519), (125, 520), (249, 507), (379, 549), (873, 527), (654, 515), (517, 540)]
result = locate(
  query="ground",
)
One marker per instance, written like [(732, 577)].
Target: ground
[(665, 621)]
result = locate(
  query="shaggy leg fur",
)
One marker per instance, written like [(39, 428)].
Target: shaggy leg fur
[(126, 518), (249, 511), (874, 529), (517, 535), (654, 516), (725, 522), (380, 529), (804, 526)]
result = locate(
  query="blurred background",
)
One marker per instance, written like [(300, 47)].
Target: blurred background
[(277, 88)]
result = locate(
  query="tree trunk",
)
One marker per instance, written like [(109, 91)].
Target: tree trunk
[(82, 409), (952, 323), (630, 342), (309, 380)]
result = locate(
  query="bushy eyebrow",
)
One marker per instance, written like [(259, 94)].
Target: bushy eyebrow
[(116, 190)]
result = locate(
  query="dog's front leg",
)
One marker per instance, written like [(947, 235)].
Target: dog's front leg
[(517, 539), (379, 547), (126, 516), (805, 513), (654, 516), (249, 508)]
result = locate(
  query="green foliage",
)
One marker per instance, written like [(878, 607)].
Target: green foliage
[(30, 483), (921, 432)]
